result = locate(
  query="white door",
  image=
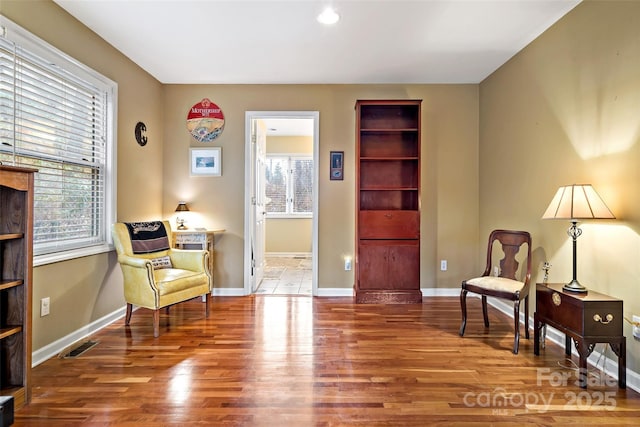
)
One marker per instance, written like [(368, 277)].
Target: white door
[(260, 209)]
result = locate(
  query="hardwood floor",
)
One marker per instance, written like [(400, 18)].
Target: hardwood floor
[(300, 361)]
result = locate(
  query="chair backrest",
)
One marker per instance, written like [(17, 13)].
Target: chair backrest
[(122, 241), (511, 242)]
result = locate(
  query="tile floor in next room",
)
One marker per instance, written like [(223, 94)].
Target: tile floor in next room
[(286, 275)]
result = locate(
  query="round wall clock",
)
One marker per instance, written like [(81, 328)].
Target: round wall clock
[(205, 121), (140, 133)]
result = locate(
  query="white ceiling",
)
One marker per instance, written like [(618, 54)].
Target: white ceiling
[(271, 42)]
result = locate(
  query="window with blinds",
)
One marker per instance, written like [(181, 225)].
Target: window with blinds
[(289, 185), (56, 116)]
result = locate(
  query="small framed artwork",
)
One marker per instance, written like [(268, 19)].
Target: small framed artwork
[(336, 164), (206, 161)]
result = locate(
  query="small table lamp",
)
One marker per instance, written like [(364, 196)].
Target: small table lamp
[(182, 207), (575, 202)]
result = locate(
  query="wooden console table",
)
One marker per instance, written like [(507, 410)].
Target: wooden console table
[(589, 318)]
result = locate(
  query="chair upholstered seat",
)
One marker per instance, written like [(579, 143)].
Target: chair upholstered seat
[(155, 275), (506, 284), (493, 283)]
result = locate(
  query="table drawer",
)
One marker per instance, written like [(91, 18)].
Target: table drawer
[(191, 238), (604, 326)]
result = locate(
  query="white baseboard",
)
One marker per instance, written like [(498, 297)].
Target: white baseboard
[(47, 352), (440, 292), (335, 292), (228, 292)]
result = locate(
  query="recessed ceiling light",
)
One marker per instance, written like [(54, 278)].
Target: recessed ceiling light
[(328, 16)]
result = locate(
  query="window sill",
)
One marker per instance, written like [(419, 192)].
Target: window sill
[(51, 258)]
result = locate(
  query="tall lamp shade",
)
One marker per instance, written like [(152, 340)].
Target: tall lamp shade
[(573, 203)]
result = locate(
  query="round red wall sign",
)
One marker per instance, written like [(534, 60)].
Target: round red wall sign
[(205, 121)]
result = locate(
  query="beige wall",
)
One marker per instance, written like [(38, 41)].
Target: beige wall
[(289, 234), (290, 144), (449, 171), (86, 289), (567, 110)]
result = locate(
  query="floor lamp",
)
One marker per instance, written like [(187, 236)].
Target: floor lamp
[(576, 202)]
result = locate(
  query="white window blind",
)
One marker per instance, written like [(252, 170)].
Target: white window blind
[(289, 185), (55, 116)]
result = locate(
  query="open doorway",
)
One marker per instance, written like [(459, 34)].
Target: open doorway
[(281, 202)]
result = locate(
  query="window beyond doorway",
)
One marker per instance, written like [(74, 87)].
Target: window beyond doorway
[(289, 185)]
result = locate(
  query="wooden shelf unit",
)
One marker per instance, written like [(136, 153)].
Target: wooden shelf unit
[(387, 268), (16, 258)]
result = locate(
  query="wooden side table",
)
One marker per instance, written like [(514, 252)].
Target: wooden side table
[(589, 318), (196, 239)]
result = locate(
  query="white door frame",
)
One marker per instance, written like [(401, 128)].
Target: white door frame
[(248, 166)]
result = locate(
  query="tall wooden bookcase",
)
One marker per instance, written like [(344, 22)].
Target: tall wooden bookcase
[(388, 201), (16, 256)]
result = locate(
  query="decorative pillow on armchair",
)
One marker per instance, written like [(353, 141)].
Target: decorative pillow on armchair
[(161, 262)]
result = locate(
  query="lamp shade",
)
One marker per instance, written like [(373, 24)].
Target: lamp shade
[(577, 202), (182, 207)]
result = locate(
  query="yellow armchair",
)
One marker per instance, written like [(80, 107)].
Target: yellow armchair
[(156, 275)]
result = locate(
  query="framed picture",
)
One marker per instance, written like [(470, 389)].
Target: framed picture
[(336, 165), (206, 161)]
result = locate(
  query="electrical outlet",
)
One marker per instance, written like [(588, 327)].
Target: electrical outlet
[(347, 264), (45, 304), (443, 265), (636, 329)]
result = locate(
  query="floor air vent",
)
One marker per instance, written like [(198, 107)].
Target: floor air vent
[(80, 349)]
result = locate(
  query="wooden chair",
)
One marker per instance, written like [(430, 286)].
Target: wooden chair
[(506, 284)]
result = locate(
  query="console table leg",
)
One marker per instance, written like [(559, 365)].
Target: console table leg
[(622, 364), (620, 349), (585, 348), (583, 372)]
